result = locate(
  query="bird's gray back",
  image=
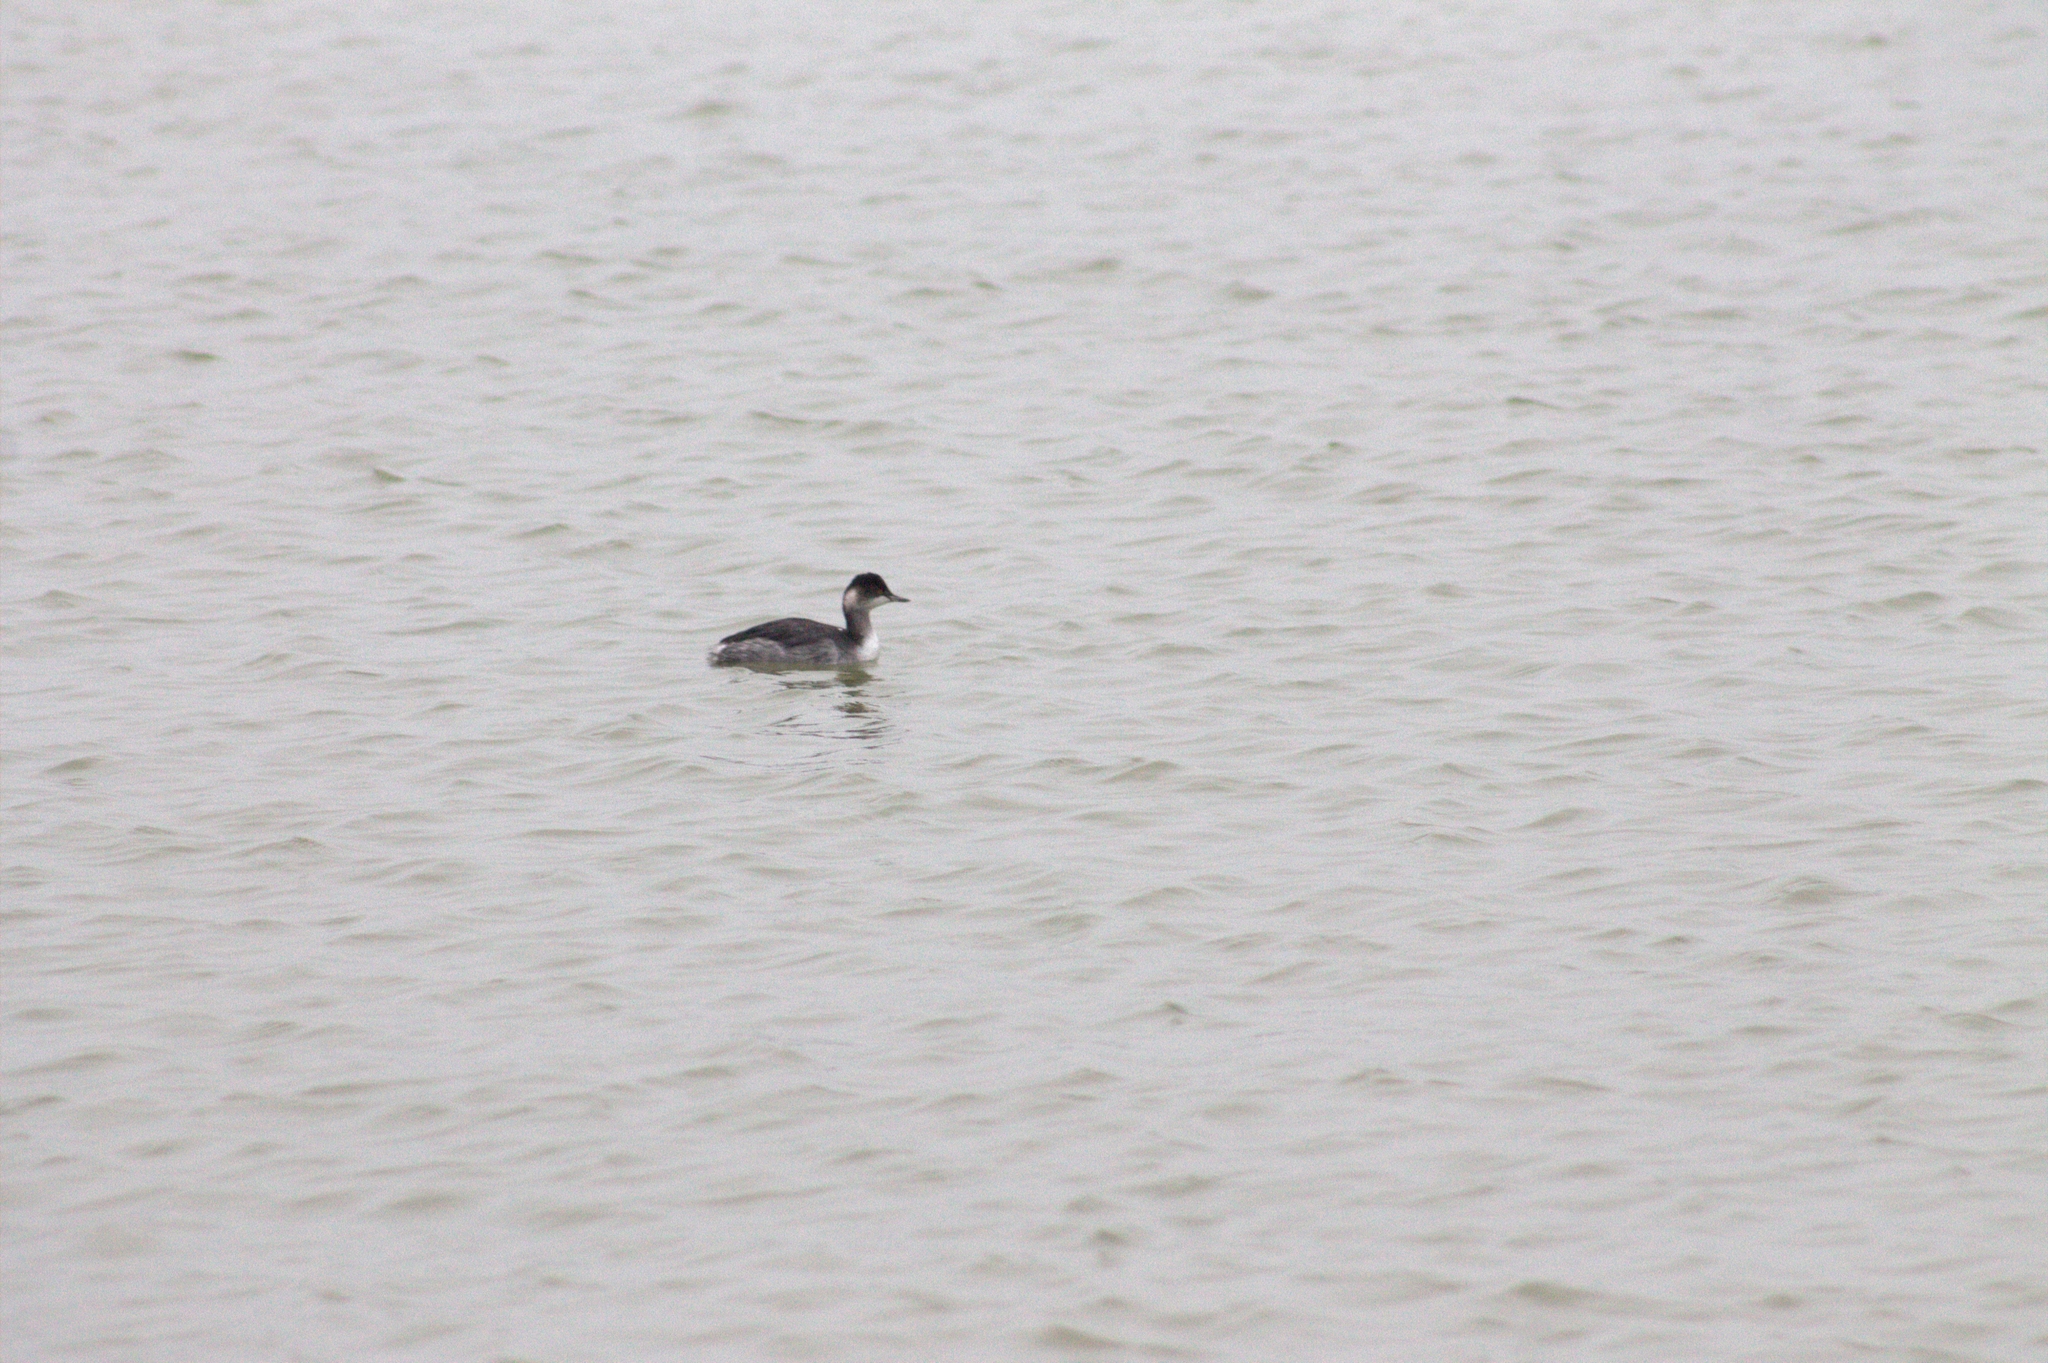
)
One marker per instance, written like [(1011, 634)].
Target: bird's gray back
[(794, 632)]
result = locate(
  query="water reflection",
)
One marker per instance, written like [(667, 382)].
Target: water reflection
[(855, 716)]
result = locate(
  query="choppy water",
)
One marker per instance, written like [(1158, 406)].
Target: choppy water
[(1464, 778)]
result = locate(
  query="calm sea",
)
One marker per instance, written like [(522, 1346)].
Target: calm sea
[(1465, 777)]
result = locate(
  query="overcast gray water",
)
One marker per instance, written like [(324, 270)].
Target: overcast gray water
[(1465, 777)]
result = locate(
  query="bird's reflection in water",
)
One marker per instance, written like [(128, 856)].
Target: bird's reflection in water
[(860, 720)]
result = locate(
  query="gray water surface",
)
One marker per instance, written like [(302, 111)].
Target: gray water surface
[(1464, 778)]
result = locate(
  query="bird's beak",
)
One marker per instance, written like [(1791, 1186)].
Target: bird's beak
[(904, 599)]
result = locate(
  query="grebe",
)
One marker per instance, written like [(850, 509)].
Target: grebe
[(798, 643)]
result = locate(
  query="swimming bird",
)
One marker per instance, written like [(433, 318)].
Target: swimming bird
[(781, 645)]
